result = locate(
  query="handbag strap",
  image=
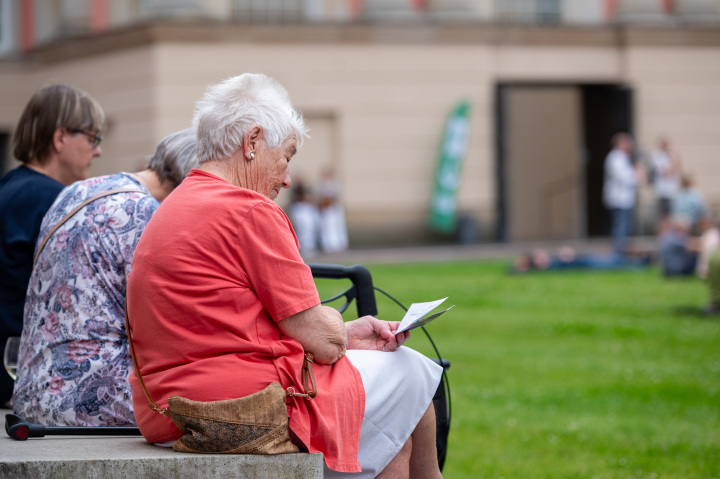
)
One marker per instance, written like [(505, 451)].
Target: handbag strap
[(307, 372), (78, 208), (151, 404)]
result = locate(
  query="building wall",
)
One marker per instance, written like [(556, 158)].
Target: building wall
[(390, 103), (678, 94), (384, 94), (123, 82), (387, 110)]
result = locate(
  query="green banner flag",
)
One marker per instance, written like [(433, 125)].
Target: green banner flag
[(443, 205)]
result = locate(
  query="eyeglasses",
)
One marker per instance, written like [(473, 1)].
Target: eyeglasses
[(96, 139)]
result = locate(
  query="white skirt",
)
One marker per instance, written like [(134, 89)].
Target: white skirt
[(399, 387)]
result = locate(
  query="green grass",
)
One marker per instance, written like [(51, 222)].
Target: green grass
[(568, 374)]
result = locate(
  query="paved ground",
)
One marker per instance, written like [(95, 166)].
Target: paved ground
[(464, 252)]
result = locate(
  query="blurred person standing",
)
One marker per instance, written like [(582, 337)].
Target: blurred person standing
[(619, 189), (305, 218), (708, 244), (56, 139), (690, 204), (709, 267), (665, 167), (333, 231), (74, 361), (708, 263)]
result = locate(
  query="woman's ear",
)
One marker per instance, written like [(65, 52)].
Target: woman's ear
[(59, 137), (251, 141)]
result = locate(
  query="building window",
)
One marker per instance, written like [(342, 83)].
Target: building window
[(7, 41), (545, 12), (268, 11), (74, 16)]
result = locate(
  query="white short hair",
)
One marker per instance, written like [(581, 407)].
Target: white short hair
[(226, 111)]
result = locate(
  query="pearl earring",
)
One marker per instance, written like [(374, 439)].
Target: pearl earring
[(252, 156)]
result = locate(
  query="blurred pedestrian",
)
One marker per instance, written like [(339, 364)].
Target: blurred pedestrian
[(713, 280), (305, 218), (333, 231), (708, 264), (56, 139), (690, 204), (619, 190), (665, 169), (708, 243)]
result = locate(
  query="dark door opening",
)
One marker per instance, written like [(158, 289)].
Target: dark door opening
[(554, 138), (5, 156), (607, 109)]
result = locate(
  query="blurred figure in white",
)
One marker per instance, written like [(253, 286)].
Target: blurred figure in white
[(305, 218), (620, 188), (708, 267), (333, 231), (708, 244), (665, 167)]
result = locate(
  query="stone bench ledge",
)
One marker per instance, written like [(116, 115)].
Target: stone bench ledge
[(123, 457)]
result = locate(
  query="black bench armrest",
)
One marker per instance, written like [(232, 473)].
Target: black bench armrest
[(362, 289)]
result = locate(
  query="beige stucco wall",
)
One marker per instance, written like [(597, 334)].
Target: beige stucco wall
[(15, 90), (390, 103), (122, 82), (678, 94), (387, 103)]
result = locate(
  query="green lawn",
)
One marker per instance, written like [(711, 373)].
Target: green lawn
[(568, 374)]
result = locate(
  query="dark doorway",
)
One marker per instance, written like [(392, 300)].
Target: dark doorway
[(5, 157), (607, 109), (529, 151)]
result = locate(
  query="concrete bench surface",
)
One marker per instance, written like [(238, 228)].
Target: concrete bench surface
[(123, 457)]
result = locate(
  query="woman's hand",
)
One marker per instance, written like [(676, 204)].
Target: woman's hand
[(371, 333), (320, 330)]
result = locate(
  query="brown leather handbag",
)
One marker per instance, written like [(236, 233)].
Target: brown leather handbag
[(254, 424)]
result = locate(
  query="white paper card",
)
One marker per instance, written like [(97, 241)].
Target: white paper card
[(414, 316)]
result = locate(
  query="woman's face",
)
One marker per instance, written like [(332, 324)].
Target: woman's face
[(77, 155), (269, 171)]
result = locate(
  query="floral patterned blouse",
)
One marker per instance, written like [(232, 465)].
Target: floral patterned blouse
[(74, 360)]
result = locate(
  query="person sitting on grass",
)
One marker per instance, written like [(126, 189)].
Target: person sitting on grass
[(677, 248), (567, 258)]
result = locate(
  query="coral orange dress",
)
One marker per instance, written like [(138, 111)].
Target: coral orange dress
[(215, 270)]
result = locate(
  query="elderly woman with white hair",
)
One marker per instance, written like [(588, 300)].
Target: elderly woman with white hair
[(221, 304)]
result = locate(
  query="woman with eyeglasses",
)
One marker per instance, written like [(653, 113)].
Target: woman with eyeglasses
[(56, 139), (73, 361)]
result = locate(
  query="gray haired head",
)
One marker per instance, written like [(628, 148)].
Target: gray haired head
[(230, 108), (174, 157)]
